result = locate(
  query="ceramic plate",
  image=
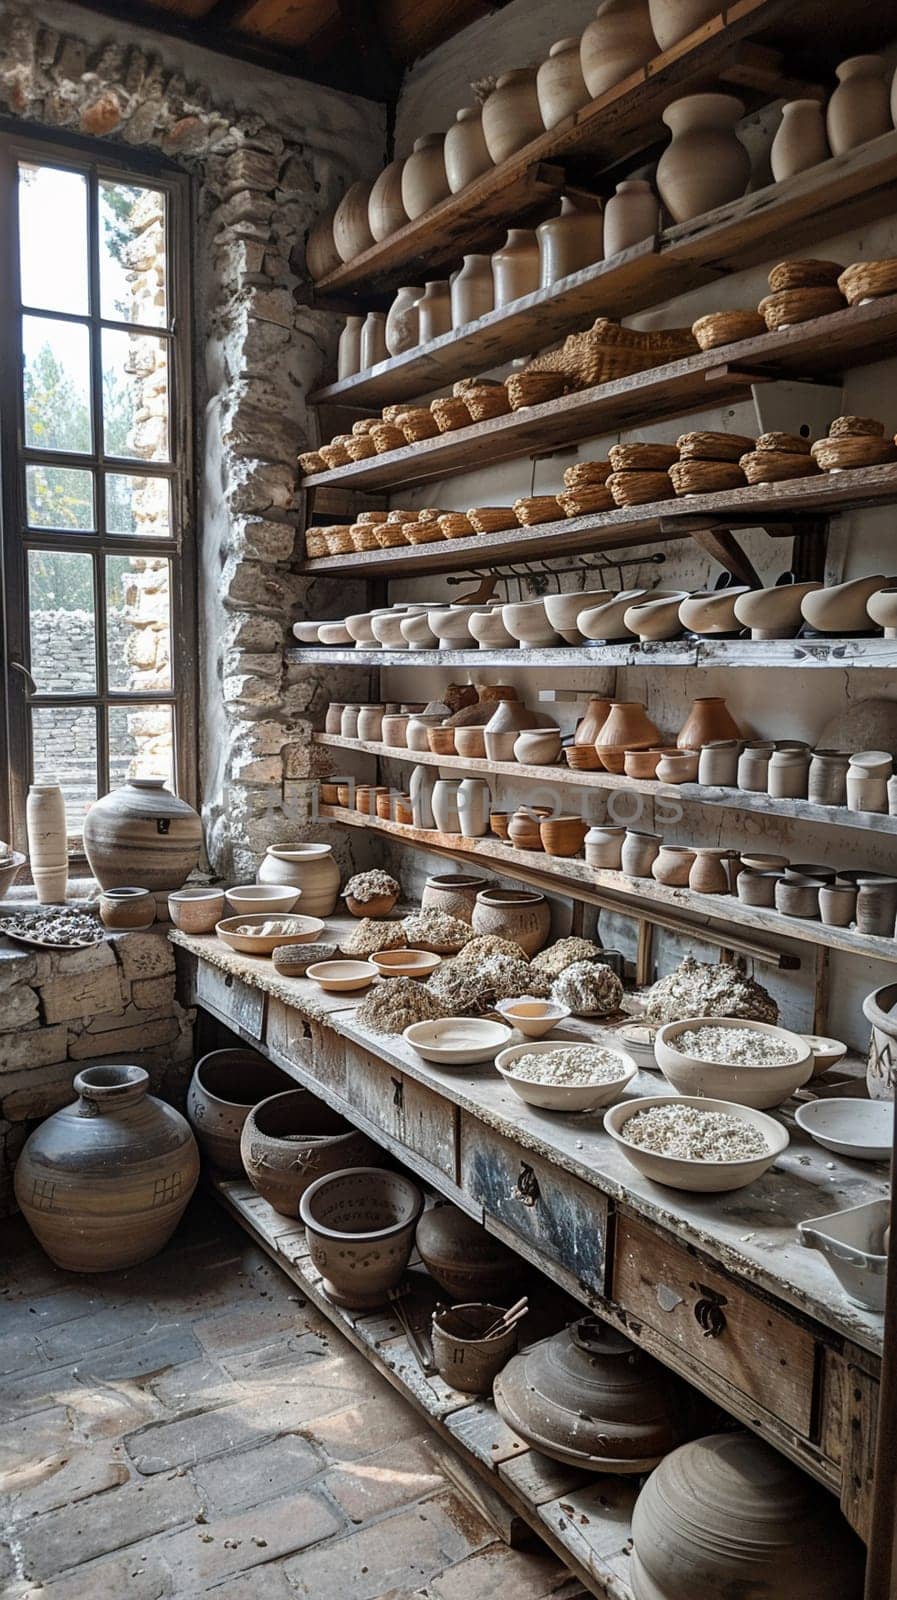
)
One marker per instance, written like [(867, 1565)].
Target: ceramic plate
[(49, 944), (457, 1041), (342, 977), (862, 1130)]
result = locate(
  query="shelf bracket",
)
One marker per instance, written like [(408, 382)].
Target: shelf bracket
[(721, 544)]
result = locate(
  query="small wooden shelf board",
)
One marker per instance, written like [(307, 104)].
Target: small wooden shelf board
[(734, 654)]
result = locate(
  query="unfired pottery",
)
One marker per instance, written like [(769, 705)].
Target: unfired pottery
[(472, 292), (562, 610), (292, 1139), (572, 239), (677, 766), (876, 908), (144, 834), (488, 628), (632, 213), (860, 108), (672, 865), (47, 844), (474, 800), (528, 622), (373, 340), (466, 1261), (880, 1009), (639, 852), (420, 788), (711, 611), (560, 85), (709, 719), (837, 904), (127, 908), (800, 140), (434, 310), (348, 359), (321, 255), (841, 607), (465, 152), (606, 620), (310, 868), (444, 801), (351, 229), (386, 213), (403, 321), (454, 893), (511, 115), (827, 778), (603, 846), (798, 897), (628, 727), (655, 619), (424, 181), (538, 747), (773, 613), (718, 763), (515, 267), (618, 41), (786, 777), (196, 910), (753, 767), (523, 915), (881, 607), (416, 631), (706, 164), (708, 873), (360, 1230), (226, 1084), (673, 20)]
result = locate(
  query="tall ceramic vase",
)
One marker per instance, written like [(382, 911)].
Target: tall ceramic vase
[(859, 109), (800, 140), (618, 41), (706, 165), (47, 842), (423, 782)]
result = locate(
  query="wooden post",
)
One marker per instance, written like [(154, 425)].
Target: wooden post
[(881, 1568)]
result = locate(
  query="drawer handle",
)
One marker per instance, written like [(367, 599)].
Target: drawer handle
[(527, 1190), (709, 1313), (398, 1093), (228, 980)]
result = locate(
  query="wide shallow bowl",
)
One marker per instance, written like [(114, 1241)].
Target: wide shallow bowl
[(852, 1242), (196, 910), (760, 1087), (406, 963), (862, 1130), (699, 1177), (342, 977), (360, 1229), (297, 930), (826, 1052), (563, 1096), (271, 898), (457, 1041), (532, 1017)]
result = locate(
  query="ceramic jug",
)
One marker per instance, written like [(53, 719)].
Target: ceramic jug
[(560, 85), (618, 41), (706, 164), (511, 115), (434, 310), (348, 360), (386, 213), (472, 293), (373, 339), (424, 181), (403, 322), (465, 152), (47, 841), (800, 140), (474, 801), (515, 267), (632, 213), (860, 108), (573, 239)]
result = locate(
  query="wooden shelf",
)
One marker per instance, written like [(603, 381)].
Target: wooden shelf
[(632, 897), (730, 799), (756, 505), (732, 654)]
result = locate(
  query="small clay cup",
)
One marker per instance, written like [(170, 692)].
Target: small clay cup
[(123, 909), (465, 1360), (562, 836), (837, 904), (758, 888), (498, 822), (798, 897)]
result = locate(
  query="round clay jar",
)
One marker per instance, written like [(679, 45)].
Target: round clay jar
[(290, 1140), (225, 1086)]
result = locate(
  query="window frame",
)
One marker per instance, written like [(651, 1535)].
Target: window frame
[(98, 163)]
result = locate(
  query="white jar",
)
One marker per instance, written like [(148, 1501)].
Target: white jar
[(603, 847), (474, 803), (311, 869), (445, 805)]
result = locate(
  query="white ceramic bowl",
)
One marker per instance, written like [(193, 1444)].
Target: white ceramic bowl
[(196, 910), (342, 977), (457, 1041), (406, 963), (564, 1096), (826, 1052), (531, 1017), (299, 930), (562, 610), (639, 1039), (334, 634), (862, 1130), (760, 1087), (306, 632), (271, 898), (852, 1242), (698, 1177)]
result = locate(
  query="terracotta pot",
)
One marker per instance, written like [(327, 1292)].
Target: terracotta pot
[(47, 842), (592, 721), (464, 1259), (860, 108), (630, 215), (351, 229), (403, 322), (560, 85), (472, 293), (424, 181), (573, 239), (511, 115), (519, 914), (292, 1139), (639, 852), (360, 1229), (474, 800), (562, 836), (708, 720), (498, 823), (706, 164), (524, 827), (142, 834), (515, 267), (321, 254), (373, 340), (348, 359), (455, 893), (628, 727), (225, 1086), (466, 153), (434, 311), (673, 20), (880, 1009), (603, 846), (465, 1359), (127, 908), (616, 43), (103, 1183), (672, 865), (644, 763), (800, 140), (708, 874), (311, 869), (386, 213)]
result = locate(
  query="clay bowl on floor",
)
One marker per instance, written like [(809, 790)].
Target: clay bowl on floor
[(457, 1041), (380, 906), (563, 1096), (342, 977), (291, 930), (693, 1176), (532, 1017), (465, 1359), (291, 1139), (272, 899), (196, 910), (360, 1230), (759, 1086), (406, 963), (464, 1259), (225, 1086)]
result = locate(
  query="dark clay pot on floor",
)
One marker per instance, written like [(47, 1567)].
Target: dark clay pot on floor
[(225, 1086), (293, 1138)]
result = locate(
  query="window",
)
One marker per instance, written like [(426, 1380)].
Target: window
[(96, 432)]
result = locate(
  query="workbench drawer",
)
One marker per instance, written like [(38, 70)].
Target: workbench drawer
[(232, 1000), (430, 1126), (287, 1033), (563, 1219), (375, 1090), (724, 1328), (328, 1057)]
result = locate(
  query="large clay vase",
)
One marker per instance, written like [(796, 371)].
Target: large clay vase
[(522, 915), (800, 140), (321, 254), (466, 154), (673, 20), (403, 322), (225, 1086), (472, 291), (706, 164), (616, 43), (515, 267), (348, 359), (631, 215), (292, 1139), (47, 842), (592, 721), (373, 340), (708, 721), (560, 85), (628, 727), (103, 1183), (142, 834), (511, 115), (311, 869), (434, 310), (351, 229), (424, 181), (860, 108), (573, 239), (386, 213)]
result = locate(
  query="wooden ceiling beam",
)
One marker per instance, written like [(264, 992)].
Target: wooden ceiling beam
[(379, 69)]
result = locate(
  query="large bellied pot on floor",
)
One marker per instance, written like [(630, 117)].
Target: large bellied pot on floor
[(103, 1183), (292, 1139), (142, 833), (225, 1086), (360, 1229)]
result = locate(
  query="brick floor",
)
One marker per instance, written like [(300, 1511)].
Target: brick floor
[(194, 1427)]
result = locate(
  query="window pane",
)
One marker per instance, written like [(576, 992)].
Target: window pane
[(56, 384), (138, 506), (65, 745), (132, 254), (59, 497), (62, 622), (141, 744), (135, 395), (138, 623), (53, 221)]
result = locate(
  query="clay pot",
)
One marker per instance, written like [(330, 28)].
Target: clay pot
[(471, 742), (511, 115), (196, 910), (709, 719), (464, 1259), (403, 322), (560, 85), (142, 834), (386, 213), (474, 800), (706, 165), (104, 1182), (672, 865), (603, 846), (718, 763), (423, 781), (334, 716), (527, 621), (881, 608), (880, 1009), (465, 151), (798, 897), (644, 763), (867, 792), (860, 107), (538, 747), (630, 215), (424, 181), (827, 778), (122, 909), (639, 852), (498, 823), (876, 908), (515, 267), (348, 722), (562, 836), (620, 40), (370, 723), (321, 255), (465, 1359), (519, 914), (628, 727), (753, 767), (708, 872), (837, 904), (292, 1139), (360, 1229), (351, 229), (472, 294), (348, 358), (800, 140), (434, 311), (416, 631), (373, 340), (786, 777), (758, 888), (605, 619), (841, 607), (673, 20), (454, 893), (523, 827), (572, 239), (489, 630), (677, 766), (225, 1086), (310, 868), (47, 842), (592, 721)]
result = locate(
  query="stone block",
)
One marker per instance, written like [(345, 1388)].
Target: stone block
[(250, 690), (20, 1008), (263, 664), (67, 963), (228, 1546), (261, 539), (140, 1574), (250, 584), (405, 1550), (261, 770), (146, 955), (33, 1047), (382, 1482), (139, 1036), (66, 1538), (153, 994), (82, 994), (249, 169), (254, 489), (29, 1095), (244, 631), (498, 1571)]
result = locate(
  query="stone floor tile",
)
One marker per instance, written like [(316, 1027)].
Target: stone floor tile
[(385, 1480), (256, 1323), (139, 1574), (194, 1383), (30, 1439), (235, 1482), (251, 1421), (226, 1546), (404, 1549), (21, 1351), (32, 1313), (277, 1362), (51, 1544), (59, 1480), (366, 1427), (78, 1339), (269, 1583), (497, 1572)]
